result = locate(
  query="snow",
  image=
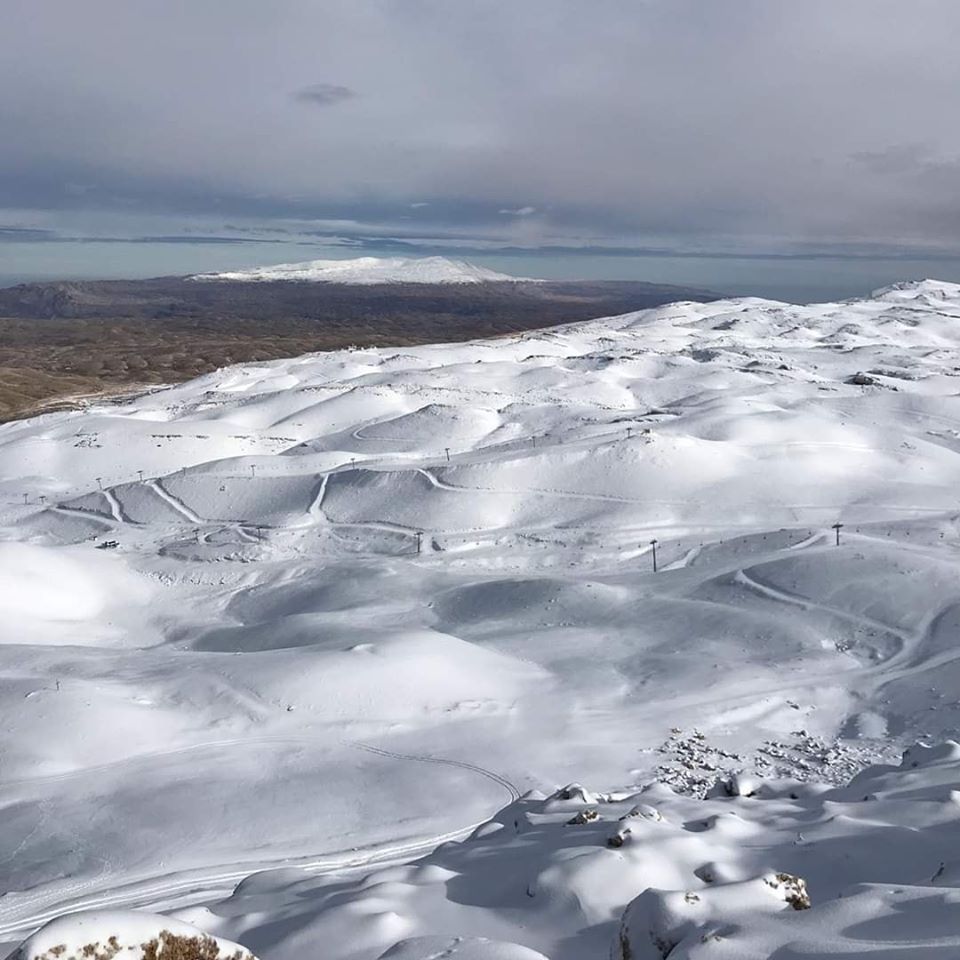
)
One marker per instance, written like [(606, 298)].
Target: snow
[(101, 934), (460, 948), (368, 611), (369, 270)]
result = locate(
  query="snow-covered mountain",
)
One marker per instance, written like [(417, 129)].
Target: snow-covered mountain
[(294, 625), (369, 270)]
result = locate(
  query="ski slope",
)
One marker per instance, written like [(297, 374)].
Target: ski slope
[(362, 601), (369, 270)]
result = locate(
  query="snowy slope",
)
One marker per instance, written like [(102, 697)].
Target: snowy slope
[(368, 270), (786, 870), (266, 673)]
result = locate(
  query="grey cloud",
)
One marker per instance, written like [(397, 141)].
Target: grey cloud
[(25, 234), (904, 158), (908, 160), (681, 124), (324, 94)]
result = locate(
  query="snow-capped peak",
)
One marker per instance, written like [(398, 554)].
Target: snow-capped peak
[(368, 270), (909, 289)]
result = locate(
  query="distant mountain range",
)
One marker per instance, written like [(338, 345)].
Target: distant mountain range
[(493, 303), (66, 338)]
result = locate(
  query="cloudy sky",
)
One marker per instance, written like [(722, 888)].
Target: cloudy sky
[(712, 126)]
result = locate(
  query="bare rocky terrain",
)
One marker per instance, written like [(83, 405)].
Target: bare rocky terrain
[(64, 339)]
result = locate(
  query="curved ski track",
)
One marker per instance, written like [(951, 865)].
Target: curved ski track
[(182, 888)]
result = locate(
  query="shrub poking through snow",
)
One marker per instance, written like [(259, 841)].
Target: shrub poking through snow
[(619, 837), (170, 946), (584, 816), (644, 811), (794, 889)]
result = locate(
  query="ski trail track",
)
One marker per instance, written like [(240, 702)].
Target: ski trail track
[(76, 512), (184, 888), (687, 560), (181, 889), (316, 512), (175, 503), (686, 502), (315, 509), (113, 504), (906, 662), (533, 491), (869, 679), (512, 791), (773, 593)]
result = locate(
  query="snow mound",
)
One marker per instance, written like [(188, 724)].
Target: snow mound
[(660, 924), (458, 948), (48, 592), (105, 934), (368, 270), (47, 584)]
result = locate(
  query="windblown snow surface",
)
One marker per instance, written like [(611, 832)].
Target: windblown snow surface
[(369, 270), (372, 616)]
